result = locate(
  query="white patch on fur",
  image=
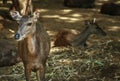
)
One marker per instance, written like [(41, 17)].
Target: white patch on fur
[(31, 45)]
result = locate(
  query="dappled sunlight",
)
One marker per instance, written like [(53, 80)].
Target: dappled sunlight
[(114, 28), (51, 33), (118, 2), (57, 49), (43, 10), (96, 10), (63, 18), (65, 61), (0, 2), (99, 3), (68, 19), (10, 36), (1, 26), (72, 19), (4, 8), (70, 61), (65, 15), (9, 33), (12, 31), (50, 16), (66, 11), (76, 15)]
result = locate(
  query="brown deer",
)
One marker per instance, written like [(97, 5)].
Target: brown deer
[(68, 38), (33, 44)]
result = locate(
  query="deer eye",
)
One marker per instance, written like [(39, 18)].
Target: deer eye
[(29, 24)]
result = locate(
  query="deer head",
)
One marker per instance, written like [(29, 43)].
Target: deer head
[(94, 28), (27, 24)]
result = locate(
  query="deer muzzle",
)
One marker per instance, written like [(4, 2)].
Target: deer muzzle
[(17, 36)]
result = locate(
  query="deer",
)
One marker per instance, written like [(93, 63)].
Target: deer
[(25, 7), (66, 38), (33, 44)]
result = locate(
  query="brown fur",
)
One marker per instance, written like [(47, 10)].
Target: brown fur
[(36, 60), (68, 38), (63, 38)]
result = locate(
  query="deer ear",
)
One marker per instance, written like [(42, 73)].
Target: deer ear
[(15, 15), (36, 15), (94, 20)]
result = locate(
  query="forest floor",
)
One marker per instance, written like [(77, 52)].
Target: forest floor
[(100, 61)]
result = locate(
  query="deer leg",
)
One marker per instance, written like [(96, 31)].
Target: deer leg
[(27, 73), (85, 45), (41, 73), (38, 75)]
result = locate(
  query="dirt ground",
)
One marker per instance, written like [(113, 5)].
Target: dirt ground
[(100, 61)]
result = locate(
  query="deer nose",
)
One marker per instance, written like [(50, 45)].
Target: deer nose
[(17, 36)]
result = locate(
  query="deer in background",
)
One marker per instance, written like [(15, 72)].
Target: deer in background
[(68, 38), (25, 7), (33, 44)]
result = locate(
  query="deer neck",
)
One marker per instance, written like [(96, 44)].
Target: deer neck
[(85, 35), (31, 43), (81, 38)]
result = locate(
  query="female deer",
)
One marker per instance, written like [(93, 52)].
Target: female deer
[(33, 44), (67, 38)]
